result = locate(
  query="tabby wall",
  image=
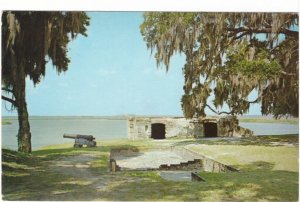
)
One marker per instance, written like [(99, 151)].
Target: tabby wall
[(141, 127), (225, 126)]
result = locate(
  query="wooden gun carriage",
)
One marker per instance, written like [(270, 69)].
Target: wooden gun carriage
[(81, 140)]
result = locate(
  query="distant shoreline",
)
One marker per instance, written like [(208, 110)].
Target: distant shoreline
[(127, 116), (242, 119)]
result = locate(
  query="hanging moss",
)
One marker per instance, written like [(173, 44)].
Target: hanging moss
[(232, 54)]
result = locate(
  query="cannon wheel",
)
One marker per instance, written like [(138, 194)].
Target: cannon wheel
[(77, 145), (92, 144)]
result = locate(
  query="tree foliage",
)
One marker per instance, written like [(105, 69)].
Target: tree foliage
[(29, 41), (228, 56)]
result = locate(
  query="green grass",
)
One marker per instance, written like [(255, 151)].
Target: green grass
[(294, 121), (268, 173), (5, 122), (265, 140), (247, 156)]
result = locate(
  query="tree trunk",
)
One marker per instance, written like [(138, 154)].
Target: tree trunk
[(24, 135)]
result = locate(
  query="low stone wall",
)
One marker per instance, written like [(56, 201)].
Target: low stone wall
[(200, 163), (196, 164), (243, 132), (195, 177)]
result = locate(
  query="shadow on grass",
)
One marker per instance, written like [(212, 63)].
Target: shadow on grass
[(256, 181), (252, 185), (33, 177)]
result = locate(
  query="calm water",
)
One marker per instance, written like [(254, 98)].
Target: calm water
[(271, 128), (50, 130)]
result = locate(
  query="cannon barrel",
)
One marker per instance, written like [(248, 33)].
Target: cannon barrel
[(87, 137)]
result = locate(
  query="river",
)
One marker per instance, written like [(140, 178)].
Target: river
[(49, 130)]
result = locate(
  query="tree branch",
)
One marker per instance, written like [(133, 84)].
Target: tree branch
[(291, 33), (7, 90), (241, 35), (246, 30), (219, 113), (287, 74), (254, 101), (9, 100)]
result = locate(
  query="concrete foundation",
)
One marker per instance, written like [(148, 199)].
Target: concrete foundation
[(180, 159)]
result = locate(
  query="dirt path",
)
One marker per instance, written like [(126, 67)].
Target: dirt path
[(79, 168), (88, 182), (76, 166)]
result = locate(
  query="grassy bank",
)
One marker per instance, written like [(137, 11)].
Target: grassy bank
[(5, 122), (294, 121), (269, 172)]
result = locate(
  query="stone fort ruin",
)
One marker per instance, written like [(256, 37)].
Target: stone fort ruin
[(167, 127)]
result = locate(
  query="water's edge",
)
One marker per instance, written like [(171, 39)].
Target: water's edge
[(49, 130)]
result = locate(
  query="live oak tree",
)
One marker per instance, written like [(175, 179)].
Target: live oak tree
[(228, 56), (29, 41)]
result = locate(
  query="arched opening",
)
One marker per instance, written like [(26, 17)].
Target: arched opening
[(158, 131), (210, 129)]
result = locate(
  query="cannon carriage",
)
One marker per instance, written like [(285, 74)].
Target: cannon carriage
[(81, 140)]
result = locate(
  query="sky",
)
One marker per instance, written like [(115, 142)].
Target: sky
[(111, 73)]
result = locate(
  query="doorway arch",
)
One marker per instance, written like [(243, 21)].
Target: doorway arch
[(210, 129), (158, 131)]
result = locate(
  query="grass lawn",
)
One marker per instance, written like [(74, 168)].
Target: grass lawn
[(294, 121), (5, 122), (268, 172)]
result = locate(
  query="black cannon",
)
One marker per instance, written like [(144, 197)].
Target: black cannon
[(81, 140)]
